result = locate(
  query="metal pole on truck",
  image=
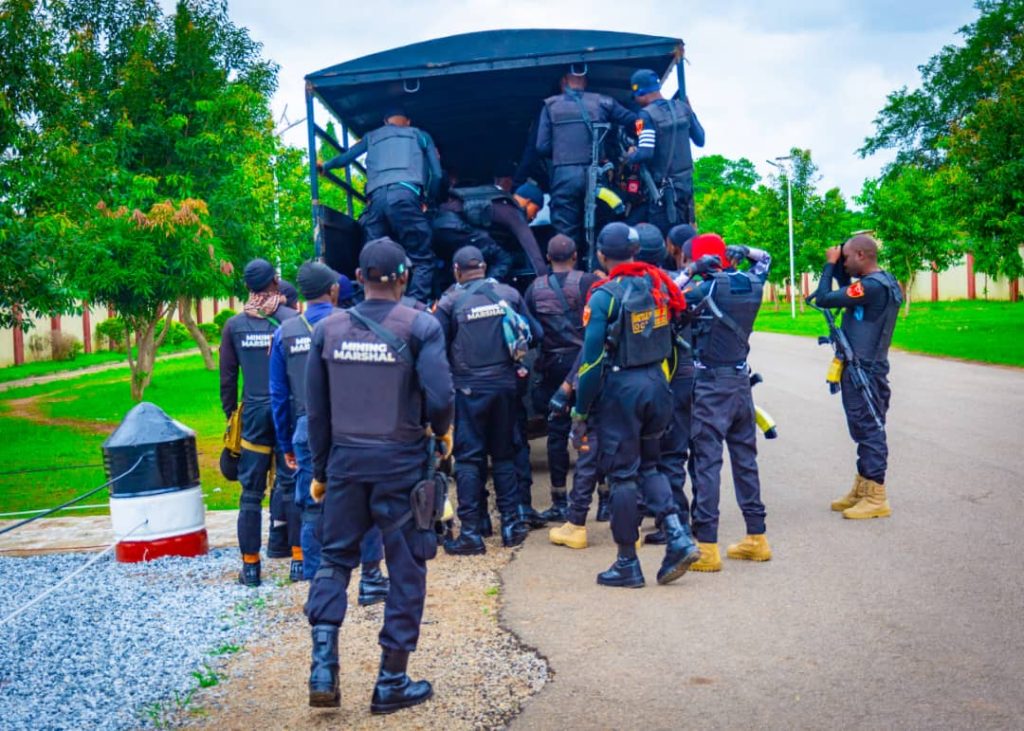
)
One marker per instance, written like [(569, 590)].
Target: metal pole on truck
[(789, 208)]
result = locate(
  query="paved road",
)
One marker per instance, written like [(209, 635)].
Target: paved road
[(912, 622)]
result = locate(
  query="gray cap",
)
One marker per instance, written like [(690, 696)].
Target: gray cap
[(618, 241)]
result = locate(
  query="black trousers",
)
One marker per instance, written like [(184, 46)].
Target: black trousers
[(396, 211), (568, 191), (675, 444), (253, 469), (485, 426), (554, 369), (872, 448)]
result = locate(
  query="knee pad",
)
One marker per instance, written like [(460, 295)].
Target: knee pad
[(250, 500)]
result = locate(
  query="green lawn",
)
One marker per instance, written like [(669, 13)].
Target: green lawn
[(46, 367), (98, 401), (990, 332)]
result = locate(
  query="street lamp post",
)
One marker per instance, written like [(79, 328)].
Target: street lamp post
[(789, 207)]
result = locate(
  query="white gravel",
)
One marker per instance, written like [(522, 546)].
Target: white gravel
[(117, 647)]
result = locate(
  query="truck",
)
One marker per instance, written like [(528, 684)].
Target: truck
[(479, 95)]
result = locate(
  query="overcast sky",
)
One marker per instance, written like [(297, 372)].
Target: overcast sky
[(762, 76)]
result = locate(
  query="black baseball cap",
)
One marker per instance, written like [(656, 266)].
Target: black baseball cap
[(652, 244), (468, 257), (382, 260), (618, 241), (316, 279), (258, 275), (680, 234)]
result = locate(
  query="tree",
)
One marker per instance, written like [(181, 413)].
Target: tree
[(907, 209)]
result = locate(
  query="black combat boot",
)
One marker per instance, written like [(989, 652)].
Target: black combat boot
[(531, 518), (277, 541), (469, 542), (295, 571), (394, 689), (680, 551), (250, 574), (513, 530), (373, 585), (558, 512), (604, 506), (625, 572), (323, 671), (657, 538), (486, 527)]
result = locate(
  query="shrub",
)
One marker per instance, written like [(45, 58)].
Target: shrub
[(112, 332), (178, 334), (39, 345), (210, 331), (64, 347), (221, 317)]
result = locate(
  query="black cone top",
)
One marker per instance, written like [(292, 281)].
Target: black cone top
[(167, 448)]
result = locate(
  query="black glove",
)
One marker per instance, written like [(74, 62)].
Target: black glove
[(707, 263), (578, 436), (559, 404), (737, 252)]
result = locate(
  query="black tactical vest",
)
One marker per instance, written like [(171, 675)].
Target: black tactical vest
[(479, 340), (871, 339), (252, 337), (641, 334), (296, 335), (570, 133), (395, 155), (672, 157), (374, 389), (477, 202), (725, 340), (559, 308)]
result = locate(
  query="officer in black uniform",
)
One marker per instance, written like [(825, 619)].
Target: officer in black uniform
[(871, 306), (627, 342), (245, 345), (665, 128), (403, 172), (472, 316), (727, 301), (375, 374), (564, 134), (556, 302)]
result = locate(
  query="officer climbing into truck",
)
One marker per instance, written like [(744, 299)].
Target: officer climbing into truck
[(403, 173)]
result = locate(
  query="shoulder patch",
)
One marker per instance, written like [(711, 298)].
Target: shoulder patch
[(855, 290), (586, 315), (639, 125)]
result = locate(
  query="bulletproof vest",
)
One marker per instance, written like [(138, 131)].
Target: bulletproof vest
[(296, 335), (374, 389), (570, 133), (252, 337), (449, 221), (672, 156), (641, 333), (725, 340), (477, 201), (413, 303), (394, 155), (560, 311), (871, 339), (479, 340)]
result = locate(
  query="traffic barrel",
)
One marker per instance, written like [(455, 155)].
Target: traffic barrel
[(157, 507)]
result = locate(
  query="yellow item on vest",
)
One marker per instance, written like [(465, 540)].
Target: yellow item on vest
[(233, 434), (835, 371)]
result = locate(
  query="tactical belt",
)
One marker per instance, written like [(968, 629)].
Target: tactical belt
[(252, 447)]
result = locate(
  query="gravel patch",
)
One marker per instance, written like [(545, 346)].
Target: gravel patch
[(123, 645)]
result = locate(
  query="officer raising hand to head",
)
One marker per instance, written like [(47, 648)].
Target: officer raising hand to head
[(377, 375)]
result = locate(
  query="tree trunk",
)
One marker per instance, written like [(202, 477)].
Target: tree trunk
[(906, 294), (185, 308), (146, 344)]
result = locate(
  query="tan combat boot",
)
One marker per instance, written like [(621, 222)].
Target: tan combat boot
[(852, 497), (710, 559), (569, 535), (751, 548), (874, 504)]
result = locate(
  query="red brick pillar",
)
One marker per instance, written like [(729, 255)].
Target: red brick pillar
[(1014, 290), (231, 302), (86, 328), (972, 292), (216, 306), (806, 283), (935, 283), (55, 322), (19, 338), (110, 312)]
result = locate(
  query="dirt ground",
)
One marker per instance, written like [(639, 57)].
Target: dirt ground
[(482, 674)]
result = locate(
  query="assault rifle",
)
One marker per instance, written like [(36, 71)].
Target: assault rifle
[(598, 133), (846, 358)]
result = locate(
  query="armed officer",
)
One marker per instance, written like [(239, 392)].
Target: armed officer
[(556, 302), (665, 128), (871, 305), (727, 301), (245, 345), (289, 354), (473, 317), (403, 172), (565, 133), (375, 373), (627, 341)]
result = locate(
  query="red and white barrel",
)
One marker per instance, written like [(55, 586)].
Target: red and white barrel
[(156, 503)]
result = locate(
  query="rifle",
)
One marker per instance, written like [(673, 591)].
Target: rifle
[(845, 357), (598, 133)]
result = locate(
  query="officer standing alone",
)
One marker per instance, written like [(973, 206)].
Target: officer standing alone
[(472, 316), (665, 128), (288, 364), (403, 172), (627, 341), (871, 306), (723, 408), (245, 346), (565, 133), (375, 373)]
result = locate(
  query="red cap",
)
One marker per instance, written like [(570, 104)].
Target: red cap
[(709, 244)]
